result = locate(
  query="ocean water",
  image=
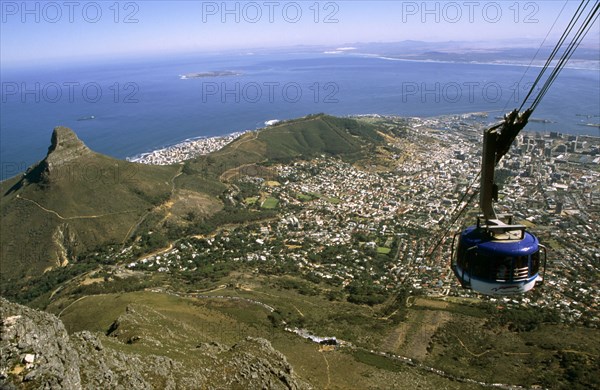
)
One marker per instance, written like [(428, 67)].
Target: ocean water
[(141, 105)]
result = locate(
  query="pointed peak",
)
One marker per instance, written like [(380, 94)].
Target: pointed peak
[(64, 138), (65, 147)]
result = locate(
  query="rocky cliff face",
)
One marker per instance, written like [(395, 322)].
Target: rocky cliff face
[(65, 244), (37, 353), (36, 350), (65, 147)]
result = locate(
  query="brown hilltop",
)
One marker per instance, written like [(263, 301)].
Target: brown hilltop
[(66, 150), (65, 147)]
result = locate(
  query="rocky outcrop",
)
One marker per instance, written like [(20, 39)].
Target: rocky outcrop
[(65, 243), (64, 151), (65, 147), (37, 353), (105, 368), (254, 364)]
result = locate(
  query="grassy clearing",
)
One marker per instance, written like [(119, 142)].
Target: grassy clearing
[(377, 361), (554, 244), (383, 250), (304, 197), (270, 203), (252, 200)]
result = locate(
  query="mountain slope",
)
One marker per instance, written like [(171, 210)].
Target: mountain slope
[(76, 201), (73, 201), (307, 137), (37, 352), (303, 138)]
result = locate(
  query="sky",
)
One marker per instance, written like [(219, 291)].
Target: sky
[(51, 31)]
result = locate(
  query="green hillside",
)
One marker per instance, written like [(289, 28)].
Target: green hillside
[(72, 201), (316, 135), (306, 137), (75, 201)]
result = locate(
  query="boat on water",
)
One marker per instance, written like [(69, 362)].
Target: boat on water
[(86, 118)]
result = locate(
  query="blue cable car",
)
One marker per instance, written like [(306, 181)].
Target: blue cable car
[(495, 263), (495, 256)]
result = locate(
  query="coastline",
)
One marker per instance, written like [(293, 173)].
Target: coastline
[(185, 150), (577, 64), (190, 148), (202, 145)]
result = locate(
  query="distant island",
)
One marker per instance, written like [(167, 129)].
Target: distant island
[(218, 73)]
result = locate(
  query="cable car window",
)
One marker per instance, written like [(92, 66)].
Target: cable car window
[(478, 265), (502, 268), (535, 262), (522, 262), (463, 257)]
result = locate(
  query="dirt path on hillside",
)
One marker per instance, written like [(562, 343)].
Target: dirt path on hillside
[(135, 226), (75, 217)]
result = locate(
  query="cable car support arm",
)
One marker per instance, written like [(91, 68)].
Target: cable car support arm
[(496, 143)]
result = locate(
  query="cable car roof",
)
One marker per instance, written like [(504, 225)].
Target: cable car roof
[(472, 236)]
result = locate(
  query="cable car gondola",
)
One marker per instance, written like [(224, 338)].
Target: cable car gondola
[(495, 256), (498, 261)]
